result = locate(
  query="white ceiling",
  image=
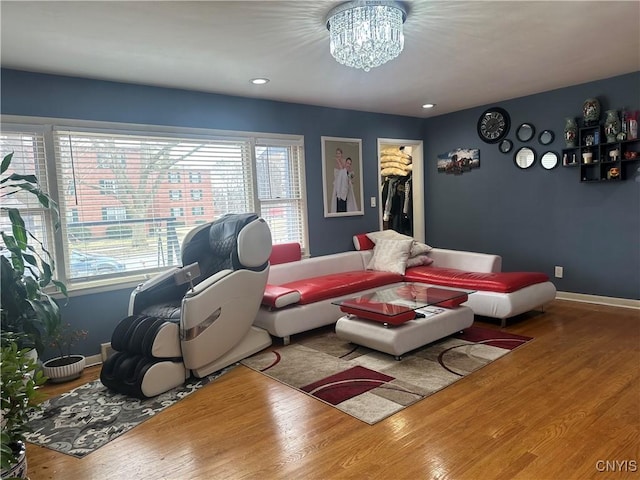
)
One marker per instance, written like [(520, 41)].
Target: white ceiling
[(458, 54)]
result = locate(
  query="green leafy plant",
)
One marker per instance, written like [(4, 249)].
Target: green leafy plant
[(19, 397), (26, 266)]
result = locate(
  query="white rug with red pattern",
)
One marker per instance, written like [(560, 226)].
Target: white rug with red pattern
[(371, 385)]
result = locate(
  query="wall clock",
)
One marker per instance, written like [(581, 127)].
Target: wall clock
[(493, 125)]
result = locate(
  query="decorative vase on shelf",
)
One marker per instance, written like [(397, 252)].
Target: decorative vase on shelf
[(591, 112), (570, 132), (611, 125)]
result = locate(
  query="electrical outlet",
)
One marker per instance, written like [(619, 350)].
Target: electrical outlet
[(559, 272), (373, 202)]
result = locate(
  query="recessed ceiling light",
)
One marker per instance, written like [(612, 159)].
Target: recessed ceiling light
[(428, 105), (259, 81)]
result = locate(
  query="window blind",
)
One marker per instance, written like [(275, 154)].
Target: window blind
[(128, 194), (280, 190), (28, 159), (127, 200)]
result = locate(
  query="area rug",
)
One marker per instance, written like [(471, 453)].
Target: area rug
[(86, 418), (371, 385)]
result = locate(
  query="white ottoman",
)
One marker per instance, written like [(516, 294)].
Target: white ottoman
[(396, 340)]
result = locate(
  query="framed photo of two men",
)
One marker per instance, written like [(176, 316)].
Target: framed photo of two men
[(342, 176)]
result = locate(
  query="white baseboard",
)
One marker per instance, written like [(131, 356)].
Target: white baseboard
[(611, 301), (105, 352), (93, 360)]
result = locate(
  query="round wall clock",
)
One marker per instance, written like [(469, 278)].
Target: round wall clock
[(493, 125)]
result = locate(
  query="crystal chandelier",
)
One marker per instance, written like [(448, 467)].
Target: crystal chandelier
[(366, 33)]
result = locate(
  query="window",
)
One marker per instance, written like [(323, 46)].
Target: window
[(114, 213), (28, 159), (177, 212), (144, 199), (71, 188), (108, 187), (280, 180), (118, 189), (110, 159), (73, 216)]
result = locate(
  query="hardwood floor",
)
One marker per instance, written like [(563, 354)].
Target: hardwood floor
[(557, 408)]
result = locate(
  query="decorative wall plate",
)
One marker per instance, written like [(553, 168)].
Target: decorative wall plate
[(505, 146)]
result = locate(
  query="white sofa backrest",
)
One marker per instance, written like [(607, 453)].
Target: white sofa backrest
[(469, 261), (316, 266)]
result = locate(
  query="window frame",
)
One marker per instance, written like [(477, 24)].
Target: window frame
[(55, 239)]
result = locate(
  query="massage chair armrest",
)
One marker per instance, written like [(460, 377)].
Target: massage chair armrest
[(221, 300), (208, 283), (159, 289)]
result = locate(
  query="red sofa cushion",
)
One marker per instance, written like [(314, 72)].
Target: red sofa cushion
[(504, 282), (339, 284), (285, 253)]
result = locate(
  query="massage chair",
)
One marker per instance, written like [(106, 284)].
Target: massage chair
[(195, 319)]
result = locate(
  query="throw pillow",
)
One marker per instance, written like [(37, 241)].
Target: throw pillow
[(390, 255), (387, 234), (419, 261), (417, 248)]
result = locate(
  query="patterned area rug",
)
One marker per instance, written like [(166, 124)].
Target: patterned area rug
[(89, 416), (371, 385)]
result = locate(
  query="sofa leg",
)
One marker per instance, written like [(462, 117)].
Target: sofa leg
[(503, 322), (286, 340)]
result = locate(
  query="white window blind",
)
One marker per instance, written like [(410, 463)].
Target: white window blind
[(122, 196), (128, 195), (280, 189), (28, 159)]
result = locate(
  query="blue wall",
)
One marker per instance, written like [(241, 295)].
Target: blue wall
[(66, 97), (42, 95), (534, 218)]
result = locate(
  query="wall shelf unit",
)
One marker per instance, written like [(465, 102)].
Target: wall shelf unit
[(600, 161)]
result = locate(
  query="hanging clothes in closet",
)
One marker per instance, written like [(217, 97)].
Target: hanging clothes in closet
[(396, 171)]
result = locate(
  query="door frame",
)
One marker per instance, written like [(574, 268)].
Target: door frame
[(417, 183)]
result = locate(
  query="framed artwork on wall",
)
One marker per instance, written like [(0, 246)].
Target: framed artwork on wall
[(459, 161), (342, 176)]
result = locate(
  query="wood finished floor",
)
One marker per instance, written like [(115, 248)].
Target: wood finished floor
[(551, 409)]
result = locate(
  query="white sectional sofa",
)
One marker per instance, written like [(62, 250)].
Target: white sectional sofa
[(300, 292)]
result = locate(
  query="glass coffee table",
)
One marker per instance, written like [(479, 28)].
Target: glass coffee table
[(397, 304)]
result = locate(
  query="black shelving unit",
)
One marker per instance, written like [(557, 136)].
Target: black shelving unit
[(606, 158)]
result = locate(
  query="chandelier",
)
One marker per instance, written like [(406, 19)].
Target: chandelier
[(365, 33)]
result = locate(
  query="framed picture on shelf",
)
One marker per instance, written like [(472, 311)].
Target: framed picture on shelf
[(342, 176)]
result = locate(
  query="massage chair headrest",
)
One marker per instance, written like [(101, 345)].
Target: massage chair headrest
[(245, 238), (233, 241)]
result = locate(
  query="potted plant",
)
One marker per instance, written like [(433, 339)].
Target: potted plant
[(61, 337), (26, 266), (20, 379)]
